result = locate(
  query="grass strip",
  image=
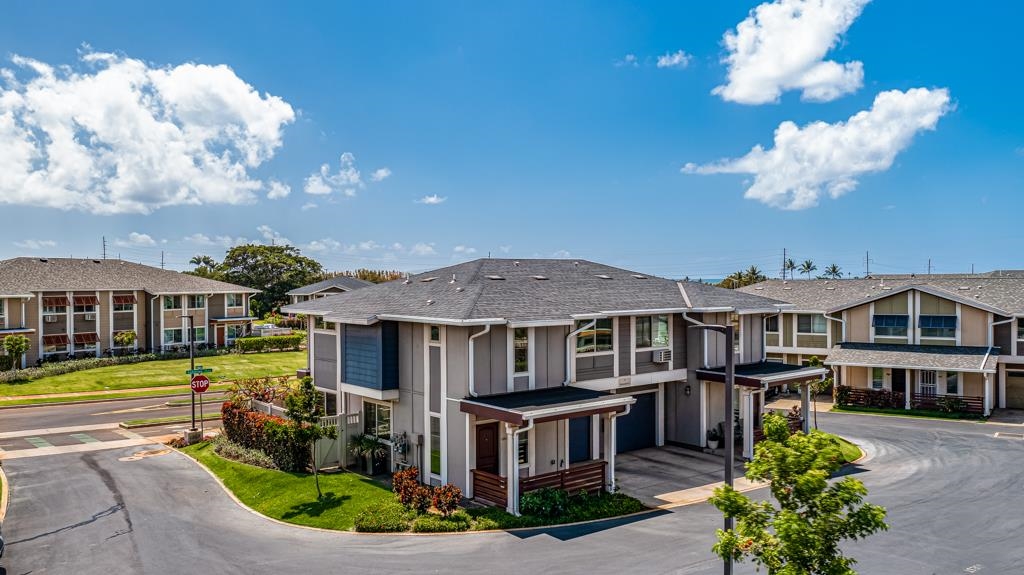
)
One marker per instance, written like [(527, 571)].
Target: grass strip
[(291, 497), (132, 423)]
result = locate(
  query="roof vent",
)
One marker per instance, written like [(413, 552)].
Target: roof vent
[(494, 277), (452, 280), (604, 276), (460, 288), (430, 279), (95, 261), (759, 288), (639, 277), (44, 260), (886, 288), (539, 277), (430, 302), (515, 263), (963, 288), (831, 287), (577, 264), (407, 281)]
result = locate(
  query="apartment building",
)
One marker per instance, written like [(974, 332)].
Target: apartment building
[(498, 375), (70, 308), (330, 286), (925, 338)]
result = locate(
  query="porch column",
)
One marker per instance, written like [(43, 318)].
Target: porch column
[(747, 403), (906, 389), (988, 394), (609, 451), (805, 407), (512, 469), (1002, 386)]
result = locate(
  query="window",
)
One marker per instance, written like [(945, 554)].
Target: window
[(55, 348), (435, 445), (377, 420), (196, 301), (877, 378), (234, 331), (85, 309), (810, 323), (521, 349), (200, 334), (173, 336), (952, 383), (124, 307), (235, 300), (943, 326), (890, 325), (652, 331), (1020, 328), (86, 346), (594, 339), (435, 333), (771, 324), (54, 309), (524, 448), (172, 302)]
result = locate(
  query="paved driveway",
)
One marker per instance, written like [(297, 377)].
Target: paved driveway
[(665, 475), (953, 492)]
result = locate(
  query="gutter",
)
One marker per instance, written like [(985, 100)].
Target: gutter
[(472, 359), (568, 349)]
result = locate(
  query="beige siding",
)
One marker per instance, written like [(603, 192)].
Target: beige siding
[(934, 305), (858, 377), (973, 384), (216, 305), (973, 326), (892, 305), (786, 328), (858, 324)]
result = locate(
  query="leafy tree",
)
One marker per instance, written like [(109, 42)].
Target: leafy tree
[(817, 386), (807, 267), (749, 276), (788, 266), (833, 272), (274, 270), (125, 338), (802, 535), (304, 408), (16, 346), (375, 276), (206, 267)]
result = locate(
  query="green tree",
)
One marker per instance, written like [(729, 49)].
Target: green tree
[(788, 266), (274, 270), (304, 406), (833, 272), (802, 535), (125, 338), (16, 346), (206, 267), (807, 267), (817, 386), (749, 276)]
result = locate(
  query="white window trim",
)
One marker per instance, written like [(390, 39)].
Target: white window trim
[(796, 322), (391, 415), (427, 413), (615, 337), (944, 378), (531, 353), (652, 347)]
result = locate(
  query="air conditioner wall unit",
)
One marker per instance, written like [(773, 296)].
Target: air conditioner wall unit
[(90, 317), (662, 356), (50, 319)]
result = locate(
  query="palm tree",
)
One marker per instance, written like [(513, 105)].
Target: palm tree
[(833, 272), (807, 267), (788, 266), (753, 276), (202, 261)]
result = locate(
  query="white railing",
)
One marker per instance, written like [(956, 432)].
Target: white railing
[(265, 407)]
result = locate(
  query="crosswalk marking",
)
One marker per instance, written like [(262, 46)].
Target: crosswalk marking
[(85, 438), (38, 442)]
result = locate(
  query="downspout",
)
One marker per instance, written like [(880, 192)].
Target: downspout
[(611, 450), (988, 383), (568, 351), (472, 359), (513, 474), (841, 321), (152, 322)]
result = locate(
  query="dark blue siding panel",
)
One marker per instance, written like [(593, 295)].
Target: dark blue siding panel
[(362, 356), (389, 355)]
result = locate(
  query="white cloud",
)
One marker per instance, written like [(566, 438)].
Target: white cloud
[(277, 190), (200, 239), (431, 200), (677, 59), (270, 235), (561, 254), (465, 250), (135, 239), (827, 158), (347, 178), (380, 174), (115, 135), (627, 60), (422, 249), (35, 244), (324, 245), (308, 206), (228, 241), (782, 45)]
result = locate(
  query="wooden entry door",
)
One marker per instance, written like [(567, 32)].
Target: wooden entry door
[(899, 380), (487, 447)]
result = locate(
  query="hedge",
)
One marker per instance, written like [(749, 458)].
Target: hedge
[(267, 433), (268, 343)]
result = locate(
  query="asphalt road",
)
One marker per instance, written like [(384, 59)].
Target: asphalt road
[(952, 490), (41, 417)]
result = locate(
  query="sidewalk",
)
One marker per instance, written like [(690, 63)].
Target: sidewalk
[(822, 403)]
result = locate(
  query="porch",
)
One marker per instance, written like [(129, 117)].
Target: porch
[(562, 438)]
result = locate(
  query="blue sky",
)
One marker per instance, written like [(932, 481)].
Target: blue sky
[(538, 128)]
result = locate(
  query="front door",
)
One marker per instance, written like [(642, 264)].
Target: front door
[(487, 447), (899, 380)]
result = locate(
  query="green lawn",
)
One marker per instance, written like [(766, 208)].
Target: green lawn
[(161, 373), (850, 450), (208, 416), (105, 396), (291, 497)]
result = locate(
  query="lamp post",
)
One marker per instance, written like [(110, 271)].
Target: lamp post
[(192, 363), (730, 447)]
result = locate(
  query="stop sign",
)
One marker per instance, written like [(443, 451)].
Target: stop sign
[(200, 383)]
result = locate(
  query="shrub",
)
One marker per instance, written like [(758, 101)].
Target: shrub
[(388, 517), (446, 498), (546, 502), (267, 433), (585, 507), (229, 450), (951, 404), (269, 343), (422, 497), (458, 521), (404, 484), (842, 395)]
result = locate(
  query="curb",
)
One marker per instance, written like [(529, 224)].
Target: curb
[(407, 534), (125, 425), (5, 494)]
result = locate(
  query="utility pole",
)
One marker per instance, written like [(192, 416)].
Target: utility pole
[(867, 264), (104, 247), (783, 263), (162, 267), (929, 266)]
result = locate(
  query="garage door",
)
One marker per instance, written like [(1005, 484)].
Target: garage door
[(637, 430), (1015, 391)]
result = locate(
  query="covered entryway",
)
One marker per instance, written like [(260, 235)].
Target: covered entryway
[(638, 430), (580, 440), (487, 447)]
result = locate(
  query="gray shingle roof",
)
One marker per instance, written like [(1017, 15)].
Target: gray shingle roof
[(20, 276), (523, 291), (1002, 294), (341, 282), (938, 357)]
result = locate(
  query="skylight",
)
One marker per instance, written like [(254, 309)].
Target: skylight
[(604, 276), (539, 277), (493, 277), (639, 277), (430, 279)]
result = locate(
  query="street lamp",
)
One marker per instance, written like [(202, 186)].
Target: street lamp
[(730, 373), (192, 362)]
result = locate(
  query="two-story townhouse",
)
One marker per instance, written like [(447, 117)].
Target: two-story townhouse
[(527, 369), (76, 307), (329, 286), (926, 338)]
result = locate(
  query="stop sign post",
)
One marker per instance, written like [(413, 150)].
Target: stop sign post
[(200, 383)]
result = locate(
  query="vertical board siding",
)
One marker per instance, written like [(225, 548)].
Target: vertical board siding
[(325, 360), (362, 356)]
